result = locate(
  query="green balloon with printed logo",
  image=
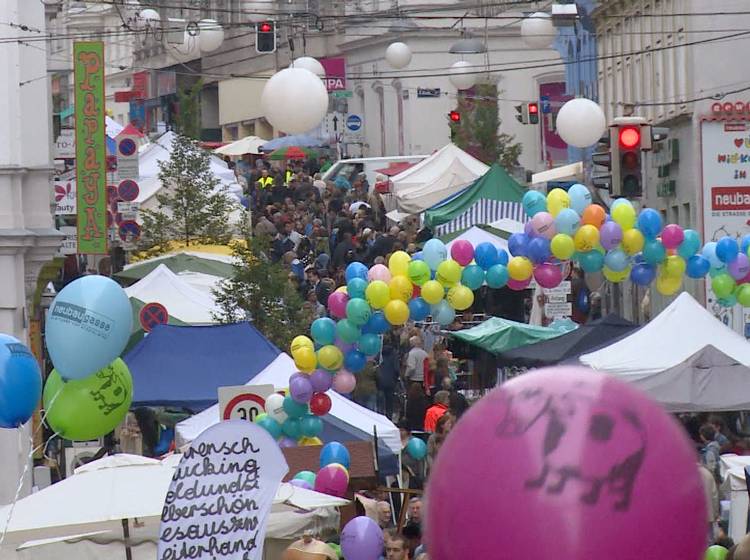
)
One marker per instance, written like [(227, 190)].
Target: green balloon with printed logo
[(83, 409)]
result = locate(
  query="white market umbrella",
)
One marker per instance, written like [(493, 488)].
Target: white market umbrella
[(246, 145), (105, 494)]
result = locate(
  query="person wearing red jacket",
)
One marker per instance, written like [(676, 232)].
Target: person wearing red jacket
[(433, 414)]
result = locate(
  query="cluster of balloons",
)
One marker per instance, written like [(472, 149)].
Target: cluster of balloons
[(332, 477), (294, 419), (90, 390), (622, 244)]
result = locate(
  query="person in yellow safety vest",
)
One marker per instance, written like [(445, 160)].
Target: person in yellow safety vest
[(265, 181), (288, 176)]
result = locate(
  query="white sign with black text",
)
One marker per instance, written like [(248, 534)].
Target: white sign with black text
[(243, 402)]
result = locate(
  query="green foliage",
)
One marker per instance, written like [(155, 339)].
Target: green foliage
[(477, 133), (188, 118), (192, 208), (261, 292)]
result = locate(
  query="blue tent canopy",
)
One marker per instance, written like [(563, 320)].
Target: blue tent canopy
[(183, 366)]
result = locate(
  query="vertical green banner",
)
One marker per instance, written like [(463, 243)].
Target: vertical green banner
[(91, 147)]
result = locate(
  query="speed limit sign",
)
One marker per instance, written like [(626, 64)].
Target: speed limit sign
[(243, 402)]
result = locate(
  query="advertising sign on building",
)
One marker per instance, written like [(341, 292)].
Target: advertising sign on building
[(726, 196), (69, 244), (335, 68), (91, 147), (65, 197), (65, 145)]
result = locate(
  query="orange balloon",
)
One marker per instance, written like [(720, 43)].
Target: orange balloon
[(594, 215)]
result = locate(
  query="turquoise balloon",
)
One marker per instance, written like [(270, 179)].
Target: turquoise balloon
[(88, 326), (654, 252), (356, 287), (617, 260), (591, 261), (416, 448), (348, 331), (714, 272), (580, 198), (472, 277), (358, 311), (369, 344), (293, 409), (323, 331), (307, 476), (729, 301), (443, 313), (271, 426), (311, 426), (690, 244), (292, 428), (534, 202), (497, 276), (568, 221)]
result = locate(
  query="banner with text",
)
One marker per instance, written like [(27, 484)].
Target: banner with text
[(221, 494), (91, 147)]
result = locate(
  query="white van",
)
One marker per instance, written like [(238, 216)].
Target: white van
[(350, 168)]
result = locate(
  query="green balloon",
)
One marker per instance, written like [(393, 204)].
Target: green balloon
[(307, 476), (723, 285), (336, 548), (83, 409), (419, 272), (348, 331), (716, 552), (358, 311), (743, 294)]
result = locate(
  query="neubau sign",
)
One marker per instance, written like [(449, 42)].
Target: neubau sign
[(730, 198), (80, 317)]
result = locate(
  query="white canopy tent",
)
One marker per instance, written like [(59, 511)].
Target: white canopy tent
[(476, 235), (182, 301), (277, 374), (99, 496), (246, 145), (734, 487), (436, 178)]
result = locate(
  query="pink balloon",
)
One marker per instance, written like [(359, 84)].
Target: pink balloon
[(462, 251), (671, 236), (739, 267), (600, 467), (337, 304), (379, 272), (332, 480), (543, 225), (610, 235), (547, 275), (518, 285), (344, 382)]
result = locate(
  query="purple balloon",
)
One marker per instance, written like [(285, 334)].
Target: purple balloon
[(298, 482), (362, 539), (287, 442), (343, 346), (321, 380), (529, 230), (300, 388), (610, 235), (739, 267)]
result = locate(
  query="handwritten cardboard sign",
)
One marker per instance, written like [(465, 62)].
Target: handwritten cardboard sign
[(221, 495)]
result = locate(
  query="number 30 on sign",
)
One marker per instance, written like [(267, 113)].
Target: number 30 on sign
[(243, 402)]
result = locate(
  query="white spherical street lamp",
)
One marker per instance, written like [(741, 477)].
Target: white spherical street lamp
[(537, 30), (311, 64), (398, 55), (463, 74), (211, 35), (581, 122), (294, 100)]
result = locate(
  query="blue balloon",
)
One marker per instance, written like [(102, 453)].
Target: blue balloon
[(650, 223), (88, 326), (583, 301), (472, 277), (356, 270), (485, 255), (654, 252), (497, 276), (355, 361), (419, 309), (416, 448), (518, 244), (690, 244), (534, 202), (293, 409), (727, 249), (335, 452), (643, 274), (744, 244), (591, 261), (434, 252), (568, 221), (292, 428), (20, 382), (709, 252), (538, 250), (502, 256), (377, 324), (271, 426), (369, 344), (356, 287), (697, 266), (443, 313), (323, 331), (580, 198), (617, 260), (311, 425)]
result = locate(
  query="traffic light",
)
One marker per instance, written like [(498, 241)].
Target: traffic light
[(629, 144), (265, 37), (532, 110), (455, 117), (608, 157)]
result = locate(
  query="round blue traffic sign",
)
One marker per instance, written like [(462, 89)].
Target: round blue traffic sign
[(128, 190), (127, 147), (153, 314), (353, 122)]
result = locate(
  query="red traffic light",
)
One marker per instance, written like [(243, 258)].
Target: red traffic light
[(265, 27), (454, 116), (533, 108), (629, 137)]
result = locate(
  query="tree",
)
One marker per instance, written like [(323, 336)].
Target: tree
[(477, 133), (260, 291), (192, 209), (188, 118)]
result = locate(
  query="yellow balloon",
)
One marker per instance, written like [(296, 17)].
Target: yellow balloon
[(309, 441), (557, 200), (520, 268), (674, 266), (396, 312), (586, 238), (330, 357), (460, 297), (667, 285), (398, 264), (448, 273), (562, 246), (616, 277), (400, 288), (632, 241), (377, 294), (432, 292), (624, 215), (306, 360), (301, 341), (342, 289)]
